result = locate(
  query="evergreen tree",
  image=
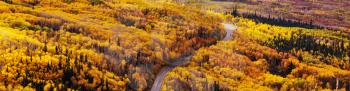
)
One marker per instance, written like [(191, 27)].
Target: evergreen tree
[(9, 1), (235, 12)]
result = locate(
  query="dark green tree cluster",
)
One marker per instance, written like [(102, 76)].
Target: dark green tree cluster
[(276, 21), (216, 87), (8, 1), (96, 2), (310, 43)]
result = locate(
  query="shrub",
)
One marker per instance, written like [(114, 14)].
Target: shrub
[(9, 1), (4, 9), (52, 23), (21, 24), (68, 1), (127, 21), (96, 2), (35, 27)]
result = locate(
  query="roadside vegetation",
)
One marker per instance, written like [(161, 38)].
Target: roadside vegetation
[(267, 57)]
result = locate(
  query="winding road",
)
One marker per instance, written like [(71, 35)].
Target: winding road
[(228, 27)]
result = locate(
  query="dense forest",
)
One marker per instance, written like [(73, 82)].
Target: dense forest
[(96, 44), (332, 14), (276, 21), (121, 45), (267, 57)]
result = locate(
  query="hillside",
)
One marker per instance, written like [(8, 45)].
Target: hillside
[(328, 13), (268, 58), (123, 45), (94, 44)]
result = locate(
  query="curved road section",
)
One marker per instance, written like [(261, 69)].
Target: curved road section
[(228, 27)]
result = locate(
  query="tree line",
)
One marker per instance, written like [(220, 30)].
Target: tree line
[(315, 45), (276, 21)]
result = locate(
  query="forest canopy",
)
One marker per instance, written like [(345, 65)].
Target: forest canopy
[(122, 45)]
